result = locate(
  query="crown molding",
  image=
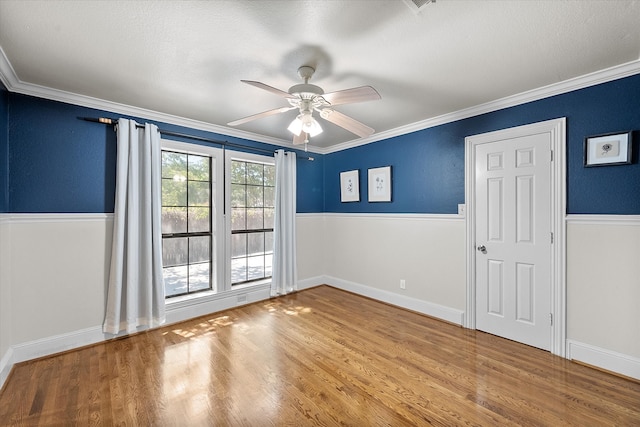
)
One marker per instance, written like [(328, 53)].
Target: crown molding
[(609, 74), (14, 84), (7, 73)]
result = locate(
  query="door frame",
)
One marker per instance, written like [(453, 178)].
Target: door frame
[(557, 130)]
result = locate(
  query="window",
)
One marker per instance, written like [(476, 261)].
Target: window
[(204, 250), (186, 223), (252, 215), (190, 219)]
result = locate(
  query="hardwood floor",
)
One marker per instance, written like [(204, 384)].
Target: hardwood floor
[(319, 357)]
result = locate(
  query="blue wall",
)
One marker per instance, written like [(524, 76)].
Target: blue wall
[(428, 165), (4, 148), (60, 163), (53, 162)]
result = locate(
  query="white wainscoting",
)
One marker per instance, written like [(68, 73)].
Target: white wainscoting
[(377, 251), (5, 298), (603, 291), (53, 272)]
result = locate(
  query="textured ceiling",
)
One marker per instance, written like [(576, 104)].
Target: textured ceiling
[(186, 59)]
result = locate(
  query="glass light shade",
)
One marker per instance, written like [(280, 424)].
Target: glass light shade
[(311, 126), (296, 126)]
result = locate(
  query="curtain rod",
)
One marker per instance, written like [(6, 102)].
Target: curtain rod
[(113, 122)]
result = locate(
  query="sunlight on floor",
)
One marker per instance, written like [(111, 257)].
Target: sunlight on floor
[(202, 328), (273, 307)]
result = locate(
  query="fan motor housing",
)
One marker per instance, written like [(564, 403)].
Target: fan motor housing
[(305, 88)]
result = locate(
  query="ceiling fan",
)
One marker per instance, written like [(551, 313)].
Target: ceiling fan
[(308, 98)]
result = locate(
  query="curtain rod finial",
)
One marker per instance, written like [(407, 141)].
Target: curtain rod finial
[(103, 120)]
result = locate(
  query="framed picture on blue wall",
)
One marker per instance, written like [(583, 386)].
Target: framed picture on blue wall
[(350, 186), (380, 184), (608, 149)]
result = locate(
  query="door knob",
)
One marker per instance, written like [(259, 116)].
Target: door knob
[(482, 249)]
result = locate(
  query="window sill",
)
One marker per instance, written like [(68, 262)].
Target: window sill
[(251, 285), (208, 296)]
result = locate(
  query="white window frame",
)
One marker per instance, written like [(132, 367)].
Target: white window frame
[(218, 261), (244, 157)]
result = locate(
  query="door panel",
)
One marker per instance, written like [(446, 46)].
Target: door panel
[(513, 237), (495, 286)]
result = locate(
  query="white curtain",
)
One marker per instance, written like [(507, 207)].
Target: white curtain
[(136, 289), (285, 272)]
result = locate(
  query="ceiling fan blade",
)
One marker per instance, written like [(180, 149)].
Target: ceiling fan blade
[(346, 122), (268, 88), (351, 96), (300, 139), (260, 115)]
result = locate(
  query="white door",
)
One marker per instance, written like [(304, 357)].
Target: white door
[(513, 238)]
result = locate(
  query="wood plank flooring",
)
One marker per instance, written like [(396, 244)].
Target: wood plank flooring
[(320, 357)]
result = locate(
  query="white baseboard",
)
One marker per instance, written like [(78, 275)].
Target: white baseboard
[(602, 358), (430, 309), (312, 282), (47, 346), (6, 363), (57, 343)]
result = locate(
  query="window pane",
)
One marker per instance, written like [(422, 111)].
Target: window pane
[(238, 172), (256, 243), (238, 270), (255, 219), (199, 275), (174, 251), (268, 242), (269, 215), (252, 209), (174, 165), (238, 195), (238, 245), (256, 267), (198, 193), (268, 265), (199, 249), (255, 196), (174, 193), (198, 168), (269, 175), (255, 173), (238, 218), (199, 220), (269, 196), (175, 280), (174, 220)]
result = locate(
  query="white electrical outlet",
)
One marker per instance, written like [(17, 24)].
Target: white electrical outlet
[(402, 284)]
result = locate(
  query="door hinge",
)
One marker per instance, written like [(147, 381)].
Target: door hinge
[(552, 155), (550, 319), (552, 237)]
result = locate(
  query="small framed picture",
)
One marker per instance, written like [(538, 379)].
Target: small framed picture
[(608, 149), (380, 184), (349, 186)]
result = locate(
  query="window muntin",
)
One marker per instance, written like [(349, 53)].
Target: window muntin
[(252, 216)]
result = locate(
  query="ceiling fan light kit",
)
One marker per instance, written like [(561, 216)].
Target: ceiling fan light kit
[(308, 98), (305, 123)]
